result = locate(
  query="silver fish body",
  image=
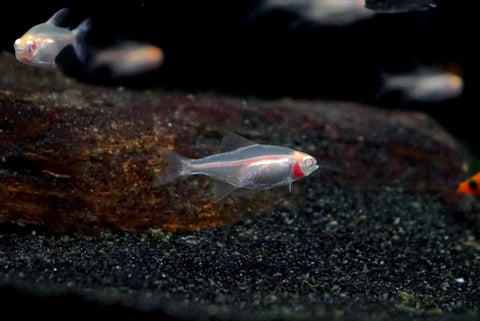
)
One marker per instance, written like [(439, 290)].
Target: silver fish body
[(41, 44), (423, 85), (325, 12), (255, 167)]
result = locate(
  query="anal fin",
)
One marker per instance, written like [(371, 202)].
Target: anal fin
[(221, 190)]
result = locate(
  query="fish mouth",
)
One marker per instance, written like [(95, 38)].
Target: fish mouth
[(20, 53), (16, 44), (313, 169)]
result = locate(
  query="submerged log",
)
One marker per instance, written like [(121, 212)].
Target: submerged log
[(80, 157)]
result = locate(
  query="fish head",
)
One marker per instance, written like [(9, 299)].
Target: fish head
[(454, 85), (39, 46), (26, 49), (470, 186), (304, 165)]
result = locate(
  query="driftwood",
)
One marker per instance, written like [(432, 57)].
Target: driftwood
[(79, 157)]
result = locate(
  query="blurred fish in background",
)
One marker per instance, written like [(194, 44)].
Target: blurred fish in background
[(128, 58), (325, 12), (397, 6), (423, 85)]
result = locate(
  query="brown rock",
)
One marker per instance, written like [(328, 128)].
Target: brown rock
[(80, 157)]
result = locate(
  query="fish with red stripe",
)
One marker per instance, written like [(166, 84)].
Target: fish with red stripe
[(41, 44), (253, 166)]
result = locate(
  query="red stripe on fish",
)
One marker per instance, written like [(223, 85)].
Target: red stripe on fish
[(297, 171)]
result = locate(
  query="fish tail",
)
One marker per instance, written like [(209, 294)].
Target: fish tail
[(80, 34), (177, 166), (384, 85)]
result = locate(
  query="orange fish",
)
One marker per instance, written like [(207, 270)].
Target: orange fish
[(129, 58), (471, 186)]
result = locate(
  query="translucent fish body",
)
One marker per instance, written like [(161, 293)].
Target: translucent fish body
[(255, 167), (41, 44)]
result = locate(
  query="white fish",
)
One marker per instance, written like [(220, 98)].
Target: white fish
[(129, 58), (326, 12), (252, 166), (423, 85), (40, 45)]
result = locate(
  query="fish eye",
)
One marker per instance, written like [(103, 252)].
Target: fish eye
[(31, 46), (472, 185), (308, 162)]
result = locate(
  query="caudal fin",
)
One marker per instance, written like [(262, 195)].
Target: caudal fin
[(176, 166), (80, 34)]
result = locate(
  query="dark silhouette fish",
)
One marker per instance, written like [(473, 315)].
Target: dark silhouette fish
[(395, 6)]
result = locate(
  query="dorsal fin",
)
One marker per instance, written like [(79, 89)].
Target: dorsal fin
[(58, 17), (233, 141)]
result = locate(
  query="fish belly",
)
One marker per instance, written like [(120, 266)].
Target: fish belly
[(258, 175)]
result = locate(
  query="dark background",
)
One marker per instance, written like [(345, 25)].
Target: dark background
[(231, 47), (236, 48)]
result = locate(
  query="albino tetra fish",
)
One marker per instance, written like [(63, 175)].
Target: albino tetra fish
[(40, 45), (129, 58), (251, 166), (423, 85)]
